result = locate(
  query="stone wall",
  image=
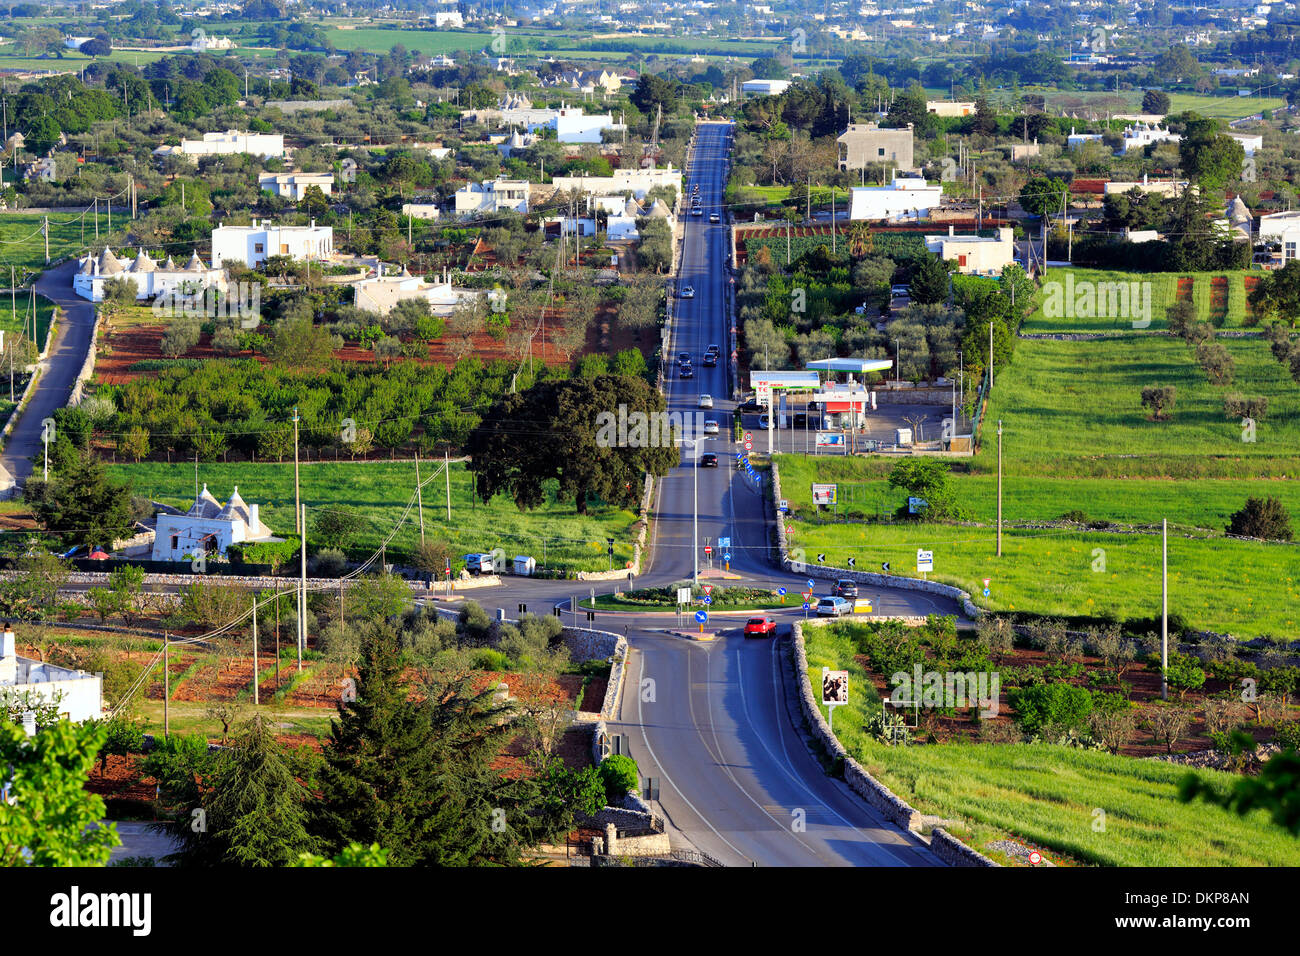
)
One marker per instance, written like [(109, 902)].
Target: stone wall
[(875, 793), (87, 367), (922, 395)]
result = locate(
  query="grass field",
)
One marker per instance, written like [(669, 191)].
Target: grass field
[(1074, 408), (15, 315), (379, 491), (1163, 291), (1046, 794), (1222, 107), (23, 247)]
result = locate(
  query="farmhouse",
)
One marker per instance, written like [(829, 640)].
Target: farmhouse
[(950, 108), (624, 181), (78, 695), (764, 87), (493, 196), (149, 277), (905, 197), (383, 293), (295, 185), (252, 245), (975, 255), (865, 143), (266, 145), (207, 528)]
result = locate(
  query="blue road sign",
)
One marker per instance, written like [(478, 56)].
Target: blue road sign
[(781, 591), (724, 543), (707, 600), (727, 556), (702, 617), (811, 583), (986, 592), (806, 605)]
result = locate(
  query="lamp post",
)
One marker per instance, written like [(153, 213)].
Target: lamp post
[(695, 508)]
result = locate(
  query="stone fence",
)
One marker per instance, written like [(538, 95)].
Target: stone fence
[(894, 809)]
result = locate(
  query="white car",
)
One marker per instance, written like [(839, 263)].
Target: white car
[(688, 292), (706, 401), (713, 217), (710, 428)]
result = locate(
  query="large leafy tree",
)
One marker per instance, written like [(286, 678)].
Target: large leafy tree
[(1209, 157), (560, 431), (1043, 196), (81, 502), (1277, 294), (48, 818)]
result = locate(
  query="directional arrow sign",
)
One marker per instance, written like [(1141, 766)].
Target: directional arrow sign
[(821, 558), (805, 605), (884, 566), (811, 583), (781, 591), (853, 562), (708, 600), (727, 556)]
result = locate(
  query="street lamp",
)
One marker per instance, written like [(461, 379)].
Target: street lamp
[(695, 511)]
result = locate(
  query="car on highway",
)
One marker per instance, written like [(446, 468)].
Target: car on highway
[(781, 420), (750, 404), (686, 372), (714, 349), (713, 217), (710, 428), (709, 461), (683, 358), (760, 627), (846, 588), (706, 400), (710, 359), (688, 292), (833, 607), (697, 211)]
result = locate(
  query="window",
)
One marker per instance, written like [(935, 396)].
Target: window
[(258, 248), (880, 151), (176, 541), (284, 248), (961, 262), (1288, 251)]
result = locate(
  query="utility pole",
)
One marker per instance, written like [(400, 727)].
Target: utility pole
[(167, 681), (255, 670), (990, 357), (999, 487), (45, 228), (446, 470), (277, 635), (302, 592), (419, 495), (1164, 608), (297, 500)]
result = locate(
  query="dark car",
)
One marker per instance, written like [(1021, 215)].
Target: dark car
[(686, 372), (800, 419), (683, 358), (710, 360), (750, 405), (709, 461), (846, 589)]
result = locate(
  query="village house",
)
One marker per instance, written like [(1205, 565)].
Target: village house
[(77, 695), (865, 143), (975, 255), (295, 185), (903, 198), (252, 245), (207, 528), (149, 277), (492, 196), (266, 145)]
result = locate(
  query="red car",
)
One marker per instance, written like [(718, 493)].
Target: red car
[(760, 627)]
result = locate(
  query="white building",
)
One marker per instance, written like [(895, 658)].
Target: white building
[(266, 145), (1249, 142), (74, 43), (1075, 140), (150, 277), (207, 528), (421, 210), (624, 181), (975, 255), (203, 42), (294, 185), (1283, 229), (1139, 136), (764, 87), (493, 196), (572, 125), (381, 294), (905, 197), (1170, 188), (448, 18), (252, 245), (79, 696), (950, 108)]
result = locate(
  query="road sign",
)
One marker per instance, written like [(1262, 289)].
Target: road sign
[(783, 505), (683, 595), (821, 558), (884, 566), (805, 605), (708, 589), (724, 544), (781, 591), (727, 556), (749, 437), (749, 445), (924, 560), (853, 562), (807, 595), (986, 592), (789, 529), (708, 549), (811, 583), (1035, 858), (702, 617), (862, 606), (708, 600)]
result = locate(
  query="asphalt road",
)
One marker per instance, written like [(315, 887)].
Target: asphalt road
[(714, 723)]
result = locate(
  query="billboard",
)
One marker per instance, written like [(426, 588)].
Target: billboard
[(830, 439), (835, 687), (823, 494)]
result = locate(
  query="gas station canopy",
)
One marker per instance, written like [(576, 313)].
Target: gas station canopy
[(860, 366)]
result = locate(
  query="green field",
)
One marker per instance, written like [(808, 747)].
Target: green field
[(1163, 291), (15, 315), (1048, 794), (1074, 409), (1222, 107), (379, 491), (23, 247)]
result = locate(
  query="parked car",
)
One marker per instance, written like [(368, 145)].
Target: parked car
[(781, 422), (478, 563), (706, 401), (833, 607), (900, 290), (846, 588), (760, 627), (709, 461), (750, 404), (710, 428)]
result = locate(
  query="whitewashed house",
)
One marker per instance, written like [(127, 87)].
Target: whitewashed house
[(266, 145), (623, 181), (1142, 135), (294, 186), (493, 196), (79, 696), (149, 277), (252, 245), (975, 255), (381, 294), (207, 528), (904, 198)]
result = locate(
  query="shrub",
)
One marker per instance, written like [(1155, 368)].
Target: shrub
[(1160, 399), (1058, 704), (487, 659), (618, 774), (1264, 518), (1184, 673), (1287, 736), (329, 563)]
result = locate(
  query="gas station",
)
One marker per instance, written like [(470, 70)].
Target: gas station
[(843, 406)]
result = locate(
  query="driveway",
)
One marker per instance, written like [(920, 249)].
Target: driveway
[(58, 374)]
